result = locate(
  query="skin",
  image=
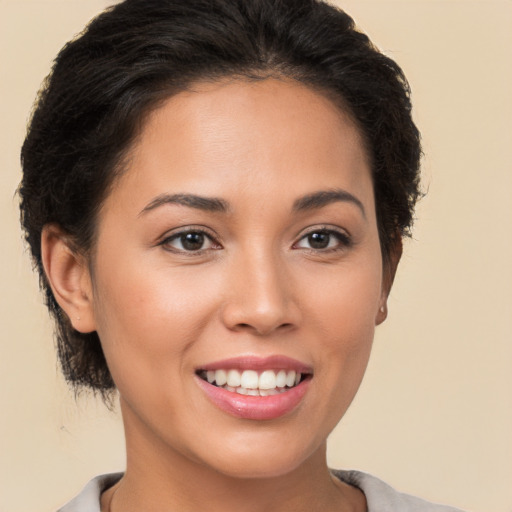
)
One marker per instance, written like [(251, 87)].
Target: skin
[(256, 287)]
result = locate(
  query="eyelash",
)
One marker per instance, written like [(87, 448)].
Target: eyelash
[(343, 241), (189, 231)]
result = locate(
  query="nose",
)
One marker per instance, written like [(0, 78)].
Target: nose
[(260, 299)]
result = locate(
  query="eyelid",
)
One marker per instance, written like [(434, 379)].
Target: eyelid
[(183, 230), (343, 236)]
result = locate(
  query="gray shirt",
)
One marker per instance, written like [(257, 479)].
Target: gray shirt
[(380, 497)]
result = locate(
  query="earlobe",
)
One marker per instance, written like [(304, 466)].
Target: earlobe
[(382, 314), (68, 275), (388, 278)]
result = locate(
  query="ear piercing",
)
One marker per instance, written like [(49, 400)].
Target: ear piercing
[(382, 309)]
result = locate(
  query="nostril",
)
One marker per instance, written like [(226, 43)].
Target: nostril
[(262, 330), (259, 318)]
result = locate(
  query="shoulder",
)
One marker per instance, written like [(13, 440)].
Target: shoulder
[(89, 498), (381, 497)]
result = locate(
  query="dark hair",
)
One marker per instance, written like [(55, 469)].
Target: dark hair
[(139, 52)]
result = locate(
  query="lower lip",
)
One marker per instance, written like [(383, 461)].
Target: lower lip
[(255, 407)]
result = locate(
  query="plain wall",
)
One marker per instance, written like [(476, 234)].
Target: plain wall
[(434, 415)]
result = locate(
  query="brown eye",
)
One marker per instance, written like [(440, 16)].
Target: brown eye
[(192, 241), (319, 240), (323, 239), (189, 241)]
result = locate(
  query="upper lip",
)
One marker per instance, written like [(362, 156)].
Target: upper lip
[(251, 362)]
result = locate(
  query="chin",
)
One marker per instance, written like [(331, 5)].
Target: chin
[(258, 469), (259, 463)]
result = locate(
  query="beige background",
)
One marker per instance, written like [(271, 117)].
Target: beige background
[(434, 416)]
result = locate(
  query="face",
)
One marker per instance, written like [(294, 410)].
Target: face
[(237, 277)]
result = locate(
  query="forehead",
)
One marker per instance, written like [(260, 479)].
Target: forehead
[(236, 137)]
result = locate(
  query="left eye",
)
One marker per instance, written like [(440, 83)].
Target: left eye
[(190, 241), (322, 239)]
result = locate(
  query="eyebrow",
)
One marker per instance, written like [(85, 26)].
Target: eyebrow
[(207, 204), (323, 198), (311, 201)]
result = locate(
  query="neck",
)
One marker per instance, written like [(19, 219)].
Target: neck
[(160, 478)]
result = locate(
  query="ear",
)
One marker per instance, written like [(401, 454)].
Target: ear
[(388, 277), (69, 278)]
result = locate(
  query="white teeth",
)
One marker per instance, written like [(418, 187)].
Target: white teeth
[(281, 379), (233, 378), (254, 392), (220, 377), (290, 378), (249, 382), (267, 380), (249, 379)]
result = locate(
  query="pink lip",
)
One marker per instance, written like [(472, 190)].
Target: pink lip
[(259, 364), (255, 407)]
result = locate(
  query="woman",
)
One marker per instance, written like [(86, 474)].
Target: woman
[(215, 195)]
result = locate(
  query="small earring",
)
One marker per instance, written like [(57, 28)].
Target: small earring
[(383, 309)]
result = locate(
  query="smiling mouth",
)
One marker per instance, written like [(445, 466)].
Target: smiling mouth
[(252, 382)]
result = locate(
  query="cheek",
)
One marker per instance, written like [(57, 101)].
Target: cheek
[(347, 330), (343, 312), (147, 317), (345, 300)]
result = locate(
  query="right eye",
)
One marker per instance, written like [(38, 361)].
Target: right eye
[(189, 241)]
